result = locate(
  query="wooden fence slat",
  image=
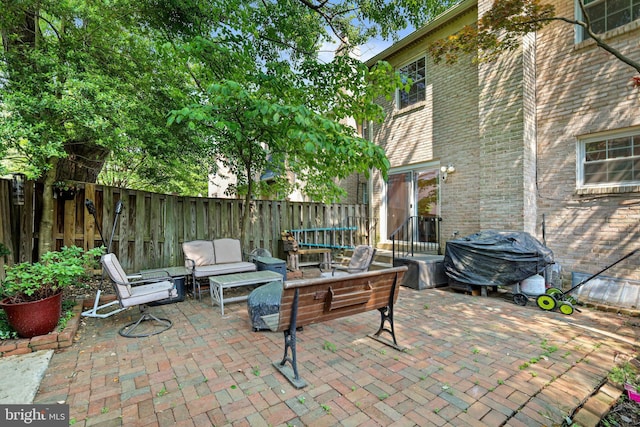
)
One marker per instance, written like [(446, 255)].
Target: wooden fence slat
[(155, 217), (69, 223), (139, 217), (89, 222), (6, 224), (171, 242)]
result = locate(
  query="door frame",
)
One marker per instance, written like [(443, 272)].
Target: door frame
[(413, 169)]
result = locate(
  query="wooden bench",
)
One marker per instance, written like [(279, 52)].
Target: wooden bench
[(305, 302)]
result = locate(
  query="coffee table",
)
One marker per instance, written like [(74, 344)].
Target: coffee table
[(217, 284)]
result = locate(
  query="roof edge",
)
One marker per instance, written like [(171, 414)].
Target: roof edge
[(445, 16)]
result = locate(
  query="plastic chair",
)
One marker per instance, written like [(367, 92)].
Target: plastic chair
[(360, 260)]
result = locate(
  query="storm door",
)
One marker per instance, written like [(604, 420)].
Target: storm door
[(413, 193)]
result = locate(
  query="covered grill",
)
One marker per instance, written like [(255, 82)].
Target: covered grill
[(495, 258)]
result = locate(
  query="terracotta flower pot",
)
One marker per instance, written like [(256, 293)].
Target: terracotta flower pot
[(30, 319)]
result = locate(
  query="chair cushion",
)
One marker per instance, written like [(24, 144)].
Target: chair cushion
[(218, 269), (360, 258), (227, 250), (152, 292), (200, 251), (113, 268)]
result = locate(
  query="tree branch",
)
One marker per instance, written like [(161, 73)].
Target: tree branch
[(587, 27)]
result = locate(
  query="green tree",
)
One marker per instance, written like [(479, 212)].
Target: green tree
[(80, 82), (84, 82), (267, 102), (502, 27)]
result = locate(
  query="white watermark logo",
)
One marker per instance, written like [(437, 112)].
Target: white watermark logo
[(35, 415)]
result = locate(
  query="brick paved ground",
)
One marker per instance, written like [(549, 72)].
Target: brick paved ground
[(469, 361)]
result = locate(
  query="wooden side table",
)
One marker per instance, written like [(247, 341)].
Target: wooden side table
[(324, 258)]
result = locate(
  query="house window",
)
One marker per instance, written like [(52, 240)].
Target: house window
[(614, 159), (605, 15), (414, 72)]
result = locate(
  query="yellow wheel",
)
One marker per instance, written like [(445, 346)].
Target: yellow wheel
[(546, 302), (553, 291), (565, 308)]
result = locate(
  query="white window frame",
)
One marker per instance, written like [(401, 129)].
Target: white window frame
[(600, 137), (424, 96), (580, 33)]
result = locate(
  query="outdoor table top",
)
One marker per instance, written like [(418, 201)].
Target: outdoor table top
[(268, 260), (241, 279), (219, 283), (160, 272)]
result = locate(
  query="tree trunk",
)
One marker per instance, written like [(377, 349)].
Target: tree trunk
[(45, 237), (83, 163)]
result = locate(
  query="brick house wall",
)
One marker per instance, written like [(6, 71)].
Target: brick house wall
[(511, 127), (582, 90), (442, 129)]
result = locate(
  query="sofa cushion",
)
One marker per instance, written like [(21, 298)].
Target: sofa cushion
[(218, 269), (200, 251), (227, 250)]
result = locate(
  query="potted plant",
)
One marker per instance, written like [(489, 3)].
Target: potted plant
[(32, 292), (64, 190), (628, 375)]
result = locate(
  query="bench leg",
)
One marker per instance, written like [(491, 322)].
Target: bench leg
[(386, 315), (291, 373)]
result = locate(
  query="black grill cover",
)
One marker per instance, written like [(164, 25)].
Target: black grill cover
[(493, 258)]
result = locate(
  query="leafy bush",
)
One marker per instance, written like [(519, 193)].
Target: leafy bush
[(55, 271)]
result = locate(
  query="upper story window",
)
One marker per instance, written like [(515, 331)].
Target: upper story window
[(610, 160), (416, 72), (606, 15)]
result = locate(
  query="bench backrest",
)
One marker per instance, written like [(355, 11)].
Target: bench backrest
[(330, 298), (209, 252)]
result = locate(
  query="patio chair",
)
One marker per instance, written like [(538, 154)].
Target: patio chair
[(360, 261), (139, 292)]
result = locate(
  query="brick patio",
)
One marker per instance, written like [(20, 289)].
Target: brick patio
[(469, 361)]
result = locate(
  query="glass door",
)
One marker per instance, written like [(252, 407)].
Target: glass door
[(414, 193), (399, 191), (426, 194)]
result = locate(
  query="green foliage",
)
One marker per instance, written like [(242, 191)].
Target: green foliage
[(241, 85), (625, 373), (55, 271), (329, 346), (502, 28), (90, 81), (4, 251), (6, 331), (67, 313)]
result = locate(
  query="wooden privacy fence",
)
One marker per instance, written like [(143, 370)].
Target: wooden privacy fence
[(151, 227)]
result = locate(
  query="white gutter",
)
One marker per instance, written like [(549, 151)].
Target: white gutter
[(441, 19)]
